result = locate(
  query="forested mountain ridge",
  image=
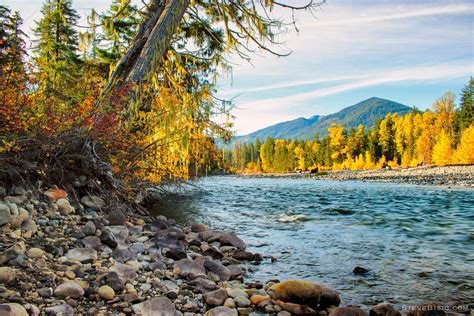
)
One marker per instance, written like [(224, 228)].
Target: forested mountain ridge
[(364, 112)]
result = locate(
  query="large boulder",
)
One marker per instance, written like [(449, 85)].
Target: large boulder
[(297, 291), (158, 306)]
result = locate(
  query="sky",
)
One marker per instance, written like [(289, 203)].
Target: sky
[(411, 52)]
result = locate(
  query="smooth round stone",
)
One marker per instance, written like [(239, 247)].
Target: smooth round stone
[(7, 275), (35, 253), (242, 301), (106, 292)]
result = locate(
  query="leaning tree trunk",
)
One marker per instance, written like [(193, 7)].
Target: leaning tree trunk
[(150, 43)]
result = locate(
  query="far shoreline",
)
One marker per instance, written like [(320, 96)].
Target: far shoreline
[(446, 176)]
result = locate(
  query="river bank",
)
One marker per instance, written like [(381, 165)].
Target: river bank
[(423, 175), (63, 256)]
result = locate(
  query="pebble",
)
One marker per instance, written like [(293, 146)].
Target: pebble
[(106, 292), (7, 275), (72, 290), (35, 253)]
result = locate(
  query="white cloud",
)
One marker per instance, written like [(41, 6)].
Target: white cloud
[(422, 73)]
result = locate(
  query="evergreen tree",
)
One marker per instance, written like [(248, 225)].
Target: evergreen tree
[(465, 115), (56, 45), (12, 42), (120, 24)]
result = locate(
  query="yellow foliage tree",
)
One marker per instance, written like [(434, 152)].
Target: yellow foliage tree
[(464, 154), (442, 150)]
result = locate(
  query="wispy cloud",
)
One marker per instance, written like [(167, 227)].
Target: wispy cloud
[(424, 73), (385, 13)]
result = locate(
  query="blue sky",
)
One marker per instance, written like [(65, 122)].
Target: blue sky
[(407, 51)]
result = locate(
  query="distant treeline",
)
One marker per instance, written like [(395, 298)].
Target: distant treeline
[(441, 136)]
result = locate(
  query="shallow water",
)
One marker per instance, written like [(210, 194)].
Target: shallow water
[(417, 241)]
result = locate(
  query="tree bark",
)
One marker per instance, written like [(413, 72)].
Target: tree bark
[(152, 40)]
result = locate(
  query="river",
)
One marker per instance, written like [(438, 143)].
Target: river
[(416, 241)]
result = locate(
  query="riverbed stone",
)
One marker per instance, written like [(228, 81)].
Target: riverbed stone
[(242, 301), (106, 292), (55, 194), (125, 272), (158, 306), (201, 285), (384, 309), (93, 202), (82, 254), (64, 207), (5, 216), (35, 253), (7, 275), (189, 268), (329, 297), (89, 228), (231, 239), (221, 311), (297, 291), (92, 242), (12, 309), (70, 289), (218, 268), (216, 298), (116, 218), (348, 311), (63, 310)]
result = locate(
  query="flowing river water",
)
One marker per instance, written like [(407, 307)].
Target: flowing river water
[(416, 241)]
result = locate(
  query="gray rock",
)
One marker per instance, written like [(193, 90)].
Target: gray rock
[(82, 254), (222, 311), (242, 301), (202, 285), (125, 272), (7, 275), (64, 310), (235, 271), (108, 238), (93, 202), (92, 242), (231, 239), (89, 229), (29, 225), (18, 199), (117, 218), (219, 269), (121, 233), (189, 268), (45, 292), (123, 255), (12, 309), (71, 289), (113, 280), (215, 298), (64, 207), (158, 306), (5, 216)]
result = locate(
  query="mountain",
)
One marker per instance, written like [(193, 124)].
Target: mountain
[(364, 113)]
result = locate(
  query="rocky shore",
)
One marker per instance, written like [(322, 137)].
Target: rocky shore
[(423, 175), (62, 256)]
